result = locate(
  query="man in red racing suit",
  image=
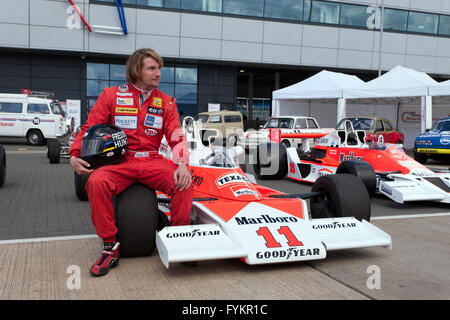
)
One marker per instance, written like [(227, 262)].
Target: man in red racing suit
[(145, 114)]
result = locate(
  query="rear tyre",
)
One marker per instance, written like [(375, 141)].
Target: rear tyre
[(2, 165), (341, 195), (137, 220), (271, 161), (362, 170), (54, 150), (80, 186)]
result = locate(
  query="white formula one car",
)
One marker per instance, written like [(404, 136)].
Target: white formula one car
[(384, 168), (233, 217)]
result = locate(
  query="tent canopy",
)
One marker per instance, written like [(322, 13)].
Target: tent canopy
[(398, 82), (440, 89), (322, 85)]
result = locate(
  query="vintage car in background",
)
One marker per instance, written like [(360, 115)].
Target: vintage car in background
[(373, 128), (287, 124), (434, 143)]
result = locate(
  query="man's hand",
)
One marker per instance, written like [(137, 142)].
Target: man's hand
[(182, 177), (80, 166)]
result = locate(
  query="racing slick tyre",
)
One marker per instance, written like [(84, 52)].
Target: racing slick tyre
[(420, 157), (54, 150), (80, 186), (2, 165), (362, 170), (341, 195), (137, 219), (271, 161)]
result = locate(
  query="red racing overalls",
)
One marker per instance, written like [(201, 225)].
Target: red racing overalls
[(145, 120)]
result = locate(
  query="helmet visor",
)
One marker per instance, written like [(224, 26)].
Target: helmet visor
[(93, 146)]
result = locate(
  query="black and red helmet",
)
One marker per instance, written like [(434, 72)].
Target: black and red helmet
[(103, 144)]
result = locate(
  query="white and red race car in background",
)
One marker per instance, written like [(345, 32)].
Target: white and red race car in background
[(384, 168)]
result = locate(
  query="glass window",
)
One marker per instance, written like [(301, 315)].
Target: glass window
[(56, 108), (306, 10), (167, 88), (97, 71), (300, 124), (95, 87), (325, 12), (152, 3), (117, 72), (379, 126), (444, 25), (172, 4), (248, 7), (395, 19), (202, 117), (38, 108), (354, 15), (168, 74), (284, 9), (186, 75), (202, 5), (215, 119), (232, 118), (10, 107), (387, 126), (422, 22), (185, 92), (312, 124)]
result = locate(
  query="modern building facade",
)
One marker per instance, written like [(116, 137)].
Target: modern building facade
[(228, 52)]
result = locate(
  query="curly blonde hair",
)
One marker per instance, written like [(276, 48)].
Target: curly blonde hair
[(136, 61)]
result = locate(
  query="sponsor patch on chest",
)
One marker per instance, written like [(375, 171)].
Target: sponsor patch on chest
[(125, 101), (126, 122), (157, 111), (153, 121), (126, 110)]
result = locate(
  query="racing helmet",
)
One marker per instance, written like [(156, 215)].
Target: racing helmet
[(103, 144)]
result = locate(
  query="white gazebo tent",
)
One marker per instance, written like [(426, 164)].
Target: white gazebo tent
[(397, 83), (323, 85), (440, 89)]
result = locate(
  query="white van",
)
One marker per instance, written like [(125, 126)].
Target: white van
[(34, 116)]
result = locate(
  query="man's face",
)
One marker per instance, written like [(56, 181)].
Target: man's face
[(150, 73)]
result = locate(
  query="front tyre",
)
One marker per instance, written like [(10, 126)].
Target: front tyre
[(137, 220), (341, 195), (54, 150)]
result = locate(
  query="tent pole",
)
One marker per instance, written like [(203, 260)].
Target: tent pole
[(341, 109), (426, 113)]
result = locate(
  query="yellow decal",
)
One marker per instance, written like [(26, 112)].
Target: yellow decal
[(126, 110), (157, 102)]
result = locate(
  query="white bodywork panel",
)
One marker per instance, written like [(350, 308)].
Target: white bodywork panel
[(260, 234)]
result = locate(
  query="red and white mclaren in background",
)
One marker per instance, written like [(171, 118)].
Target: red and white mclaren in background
[(384, 168)]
